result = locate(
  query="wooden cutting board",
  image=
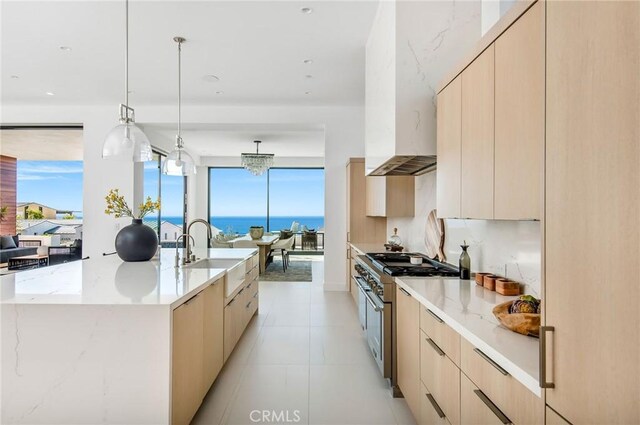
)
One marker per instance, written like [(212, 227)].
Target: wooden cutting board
[(434, 236)]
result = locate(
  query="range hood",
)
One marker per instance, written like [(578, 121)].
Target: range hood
[(406, 165)]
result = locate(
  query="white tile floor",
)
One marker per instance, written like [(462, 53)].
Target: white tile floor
[(304, 356)]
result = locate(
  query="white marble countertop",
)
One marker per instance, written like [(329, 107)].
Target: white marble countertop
[(467, 308), (110, 281), (366, 248)]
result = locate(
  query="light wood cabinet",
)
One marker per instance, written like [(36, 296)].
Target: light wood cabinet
[(592, 219), (441, 333), (390, 196), (552, 418), (477, 137), (353, 288), (516, 401), (213, 328), (519, 117), (430, 411), (360, 227), (187, 360), (449, 122), (476, 408), (408, 348), (441, 376)]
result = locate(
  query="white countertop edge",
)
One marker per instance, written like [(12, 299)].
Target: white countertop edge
[(530, 382), (221, 273)]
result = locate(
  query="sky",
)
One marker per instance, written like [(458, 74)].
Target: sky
[(293, 192), (56, 184), (234, 191)]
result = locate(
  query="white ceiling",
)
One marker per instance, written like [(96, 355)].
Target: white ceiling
[(46, 144), (256, 48), (230, 140)]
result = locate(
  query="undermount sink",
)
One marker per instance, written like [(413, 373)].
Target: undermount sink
[(214, 263)]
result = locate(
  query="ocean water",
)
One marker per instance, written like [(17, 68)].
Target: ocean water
[(241, 224)]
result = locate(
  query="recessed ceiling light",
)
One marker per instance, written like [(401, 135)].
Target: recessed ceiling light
[(308, 76), (307, 92), (308, 61), (211, 78), (14, 77), (65, 48), (219, 92), (50, 93), (306, 10)]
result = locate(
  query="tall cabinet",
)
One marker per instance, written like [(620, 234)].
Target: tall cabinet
[(592, 210)]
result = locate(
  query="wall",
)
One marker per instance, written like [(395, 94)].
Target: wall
[(8, 175), (344, 138), (493, 245)]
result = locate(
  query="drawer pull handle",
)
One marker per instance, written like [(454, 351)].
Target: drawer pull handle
[(543, 357), (492, 407), (491, 362), (248, 304), (255, 295), (435, 405), (404, 291), (435, 316), (435, 347)]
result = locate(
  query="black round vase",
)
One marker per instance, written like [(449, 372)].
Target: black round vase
[(136, 242)]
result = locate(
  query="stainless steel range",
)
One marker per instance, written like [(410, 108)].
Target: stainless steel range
[(376, 300)]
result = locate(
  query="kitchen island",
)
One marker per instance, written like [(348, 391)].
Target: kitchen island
[(103, 341)]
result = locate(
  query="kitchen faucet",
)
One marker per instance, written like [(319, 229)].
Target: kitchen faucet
[(184, 235), (190, 256)]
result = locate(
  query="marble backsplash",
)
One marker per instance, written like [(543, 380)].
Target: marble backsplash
[(494, 245)]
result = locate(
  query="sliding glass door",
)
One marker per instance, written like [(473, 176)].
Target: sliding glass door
[(281, 198)]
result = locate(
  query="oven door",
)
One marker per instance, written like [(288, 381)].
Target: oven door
[(375, 328), (362, 301)]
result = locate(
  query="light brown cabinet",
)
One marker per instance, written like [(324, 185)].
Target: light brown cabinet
[(360, 227), (390, 196), (408, 348), (441, 376), (592, 210), (519, 117), (213, 325), (476, 408), (449, 122), (187, 360), (241, 308), (477, 137), (430, 411)]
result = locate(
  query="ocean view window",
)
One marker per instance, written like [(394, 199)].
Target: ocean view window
[(281, 198), (169, 222)]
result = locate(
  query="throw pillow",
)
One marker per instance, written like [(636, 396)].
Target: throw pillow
[(7, 242), (16, 240)]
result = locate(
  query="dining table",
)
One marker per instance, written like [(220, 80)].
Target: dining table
[(264, 245)]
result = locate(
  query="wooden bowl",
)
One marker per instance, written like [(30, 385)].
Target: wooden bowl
[(508, 287), (480, 278), (489, 282), (522, 323)]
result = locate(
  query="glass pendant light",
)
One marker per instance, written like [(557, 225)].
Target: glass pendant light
[(179, 162), (127, 141)]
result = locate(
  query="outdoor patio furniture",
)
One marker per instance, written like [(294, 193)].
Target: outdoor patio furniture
[(64, 254), (310, 240)]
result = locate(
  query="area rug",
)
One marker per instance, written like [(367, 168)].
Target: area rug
[(298, 271)]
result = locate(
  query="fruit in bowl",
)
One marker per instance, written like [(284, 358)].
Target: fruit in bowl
[(525, 304)]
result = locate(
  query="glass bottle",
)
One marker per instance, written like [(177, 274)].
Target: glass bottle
[(465, 262)]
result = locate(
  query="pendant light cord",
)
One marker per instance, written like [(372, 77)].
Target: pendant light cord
[(126, 54), (179, 92)]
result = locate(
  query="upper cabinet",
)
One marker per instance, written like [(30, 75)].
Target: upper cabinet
[(405, 55), (360, 227), (449, 149), (477, 137), (519, 117), (498, 152), (391, 196)]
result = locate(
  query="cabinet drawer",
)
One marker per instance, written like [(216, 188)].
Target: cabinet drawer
[(477, 408), (441, 376), (516, 401), (446, 338), (430, 412)]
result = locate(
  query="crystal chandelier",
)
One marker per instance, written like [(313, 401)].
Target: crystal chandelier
[(127, 140), (257, 163)]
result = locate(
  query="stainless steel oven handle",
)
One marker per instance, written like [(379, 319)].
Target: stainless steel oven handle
[(359, 281), (374, 304)]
